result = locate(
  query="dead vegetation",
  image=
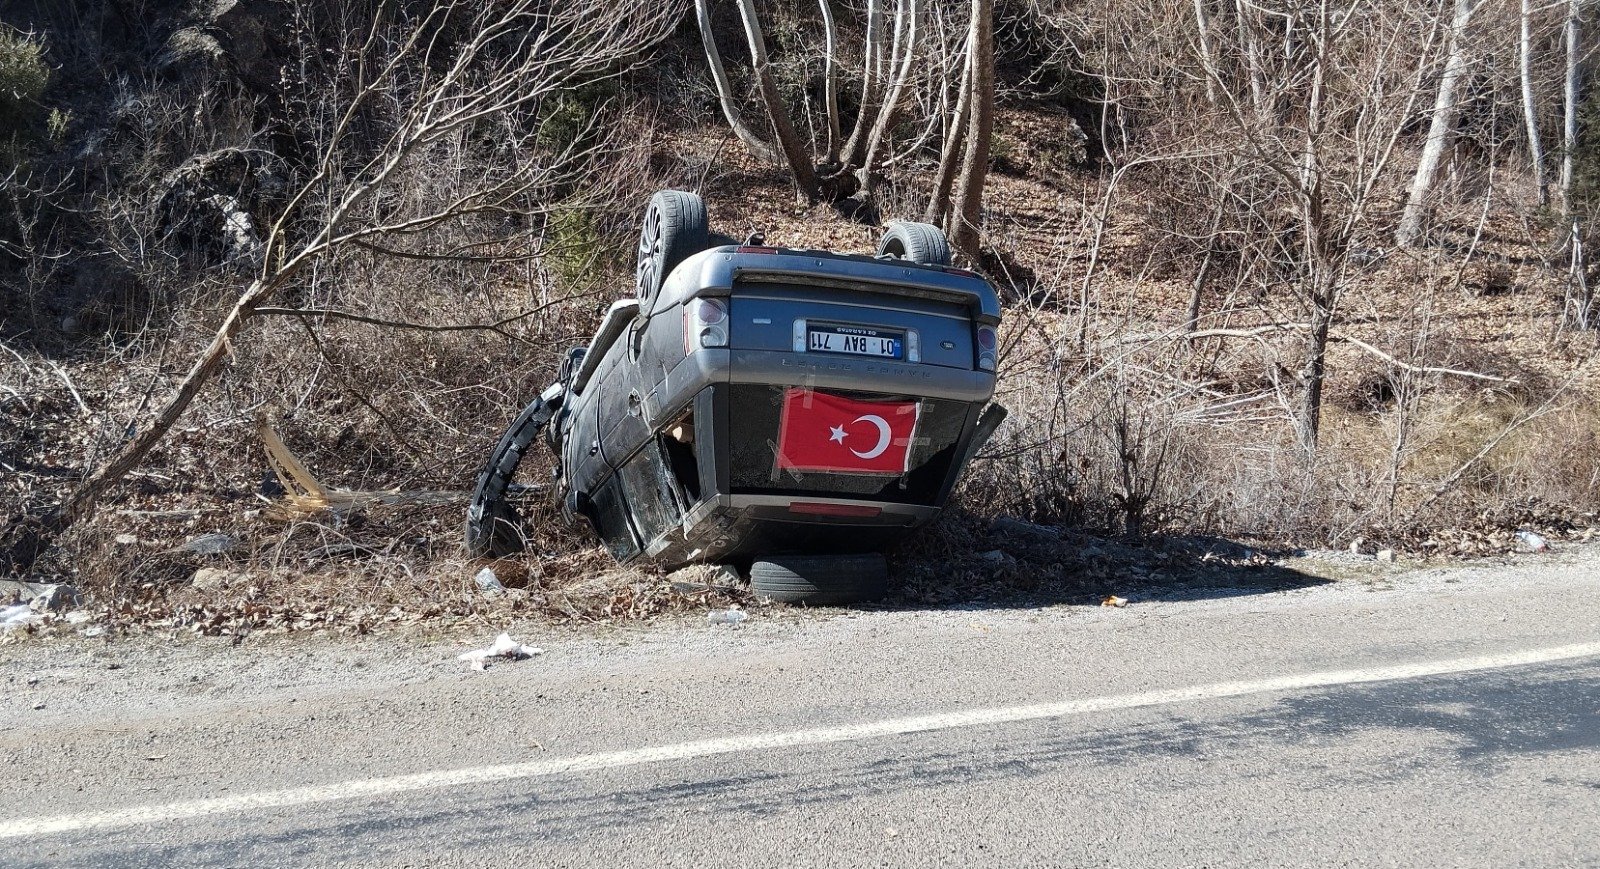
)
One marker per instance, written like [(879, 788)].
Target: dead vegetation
[(1179, 280)]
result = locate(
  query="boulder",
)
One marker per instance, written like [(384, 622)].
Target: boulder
[(213, 579), (212, 544), (55, 598)]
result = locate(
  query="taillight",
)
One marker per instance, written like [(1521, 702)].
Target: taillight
[(988, 342), (705, 324)]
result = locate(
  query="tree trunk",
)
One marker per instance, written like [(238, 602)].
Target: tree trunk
[(1252, 59), (891, 102), (758, 146), (855, 148), (1208, 53), (975, 165), (1444, 118), (1313, 375), (805, 174), (86, 497), (1529, 112), (955, 140), (1569, 126), (830, 93)]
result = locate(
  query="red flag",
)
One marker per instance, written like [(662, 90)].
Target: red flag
[(822, 432)]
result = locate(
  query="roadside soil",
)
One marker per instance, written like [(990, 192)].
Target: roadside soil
[(62, 677)]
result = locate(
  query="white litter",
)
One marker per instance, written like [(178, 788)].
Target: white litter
[(502, 647), (21, 615), (490, 583), (1533, 542), (732, 616)]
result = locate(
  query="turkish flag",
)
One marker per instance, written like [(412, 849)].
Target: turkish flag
[(822, 432)]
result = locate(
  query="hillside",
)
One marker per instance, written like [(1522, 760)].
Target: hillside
[(160, 156)]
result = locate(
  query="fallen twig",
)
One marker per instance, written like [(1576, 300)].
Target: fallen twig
[(335, 314), (61, 373), (1258, 331)]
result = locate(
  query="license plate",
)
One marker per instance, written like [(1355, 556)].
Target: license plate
[(855, 341)]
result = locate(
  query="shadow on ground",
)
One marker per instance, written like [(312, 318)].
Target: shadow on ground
[(965, 560)]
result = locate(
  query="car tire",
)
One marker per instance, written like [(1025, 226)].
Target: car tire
[(493, 525), (675, 226), (820, 580), (921, 243)]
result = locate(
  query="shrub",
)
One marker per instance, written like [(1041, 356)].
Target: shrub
[(23, 76)]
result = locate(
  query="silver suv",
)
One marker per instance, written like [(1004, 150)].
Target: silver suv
[(787, 411)]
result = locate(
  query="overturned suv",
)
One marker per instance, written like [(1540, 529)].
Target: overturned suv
[(789, 412)]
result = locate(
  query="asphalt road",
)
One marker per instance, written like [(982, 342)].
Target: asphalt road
[(1443, 718)]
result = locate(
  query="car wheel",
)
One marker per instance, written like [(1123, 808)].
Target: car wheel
[(820, 580), (919, 242), (493, 523), (675, 227)]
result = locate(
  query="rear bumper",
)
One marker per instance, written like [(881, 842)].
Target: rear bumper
[(775, 368)]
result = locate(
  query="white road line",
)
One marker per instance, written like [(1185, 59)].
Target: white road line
[(382, 787)]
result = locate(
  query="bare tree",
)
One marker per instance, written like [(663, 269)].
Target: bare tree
[(1442, 121), (1202, 24), (794, 152), (757, 145), (968, 204), (904, 52), (1529, 109), (455, 69), (873, 50), (1356, 78), (830, 93), (1573, 97), (955, 140), (892, 71)]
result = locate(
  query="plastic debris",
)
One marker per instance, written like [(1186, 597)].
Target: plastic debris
[(487, 581), (1386, 556), (1113, 600), (502, 647), (1533, 542), (731, 616), (21, 615)]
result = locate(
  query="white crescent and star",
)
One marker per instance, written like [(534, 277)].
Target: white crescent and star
[(838, 435)]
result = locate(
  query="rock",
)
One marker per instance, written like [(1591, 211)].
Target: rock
[(78, 617), (211, 579), (55, 598), (1011, 525), (190, 53), (212, 544), (1386, 556), (13, 592), (208, 203), (704, 577), (998, 557)]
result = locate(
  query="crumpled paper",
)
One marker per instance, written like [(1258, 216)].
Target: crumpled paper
[(502, 647)]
